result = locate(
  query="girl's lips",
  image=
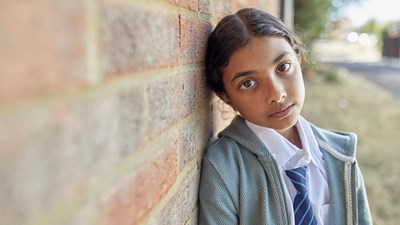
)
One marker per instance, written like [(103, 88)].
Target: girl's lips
[(282, 112)]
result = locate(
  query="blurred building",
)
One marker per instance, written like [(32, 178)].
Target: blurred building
[(391, 42)]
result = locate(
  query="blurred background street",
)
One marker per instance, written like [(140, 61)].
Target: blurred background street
[(353, 84), (365, 61)]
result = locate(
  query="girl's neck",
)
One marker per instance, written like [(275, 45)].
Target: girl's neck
[(292, 135)]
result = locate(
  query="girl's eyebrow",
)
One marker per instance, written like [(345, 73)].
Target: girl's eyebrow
[(247, 73), (242, 74), (280, 56)]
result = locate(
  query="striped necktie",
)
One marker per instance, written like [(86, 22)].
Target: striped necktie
[(303, 212)]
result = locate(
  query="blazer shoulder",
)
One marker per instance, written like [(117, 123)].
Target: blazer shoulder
[(222, 151), (340, 141)]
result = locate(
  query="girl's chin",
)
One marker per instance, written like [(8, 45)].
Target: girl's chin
[(278, 126), (285, 124)]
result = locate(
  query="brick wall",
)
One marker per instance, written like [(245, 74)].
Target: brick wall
[(104, 114)]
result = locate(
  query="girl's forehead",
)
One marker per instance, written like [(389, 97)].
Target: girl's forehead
[(261, 52), (264, 46)]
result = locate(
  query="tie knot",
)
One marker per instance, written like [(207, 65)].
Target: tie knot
[(298, 178)]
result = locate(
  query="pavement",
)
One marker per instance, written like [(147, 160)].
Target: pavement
[(365, 61)]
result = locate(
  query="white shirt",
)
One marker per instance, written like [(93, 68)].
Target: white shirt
[(289, 156)]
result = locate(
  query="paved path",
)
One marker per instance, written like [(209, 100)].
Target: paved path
[(363, 61)]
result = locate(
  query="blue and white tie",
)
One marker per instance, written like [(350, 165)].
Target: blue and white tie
[(303, 212)]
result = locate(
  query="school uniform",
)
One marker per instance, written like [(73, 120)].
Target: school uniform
[(243, 181)]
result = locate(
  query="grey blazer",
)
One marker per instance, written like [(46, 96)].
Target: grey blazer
[(241, 184)]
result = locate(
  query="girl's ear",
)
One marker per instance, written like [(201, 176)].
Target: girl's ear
[(225, 98)]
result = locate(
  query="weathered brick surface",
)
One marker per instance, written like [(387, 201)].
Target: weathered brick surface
[(83, 216), (194, 34), (202, 93), (183, 202), (58, 151), (130, 201), (165, 108), (135, 39), (194, 219), (194, 137), (188, 85), (270, 6), (214, 8), (189, 4), (42, 48), (123, 150)]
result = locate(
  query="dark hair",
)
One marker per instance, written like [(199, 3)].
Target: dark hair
[(235, 31)]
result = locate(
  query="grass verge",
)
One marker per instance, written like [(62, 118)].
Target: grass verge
[(352, 103)]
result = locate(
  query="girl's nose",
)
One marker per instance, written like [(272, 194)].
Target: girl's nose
[(275, 93)]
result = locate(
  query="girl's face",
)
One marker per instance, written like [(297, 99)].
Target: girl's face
[(264, 83)]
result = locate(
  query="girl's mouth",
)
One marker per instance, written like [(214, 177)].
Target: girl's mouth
[(281, 112)]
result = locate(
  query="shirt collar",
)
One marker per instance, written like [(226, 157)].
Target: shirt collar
[(287, 154)]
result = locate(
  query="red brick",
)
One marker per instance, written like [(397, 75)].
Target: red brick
[(189, 4), (135, 38), (42, 48), (220, 9), (130, 201), (178, 95), (211, 7), (237, 5), (171, 98), (269, 6), (253, 3), (214, 8), (194, 138), (194, 35), (49, 155), (193, 220), (180, 207), (203, 93), (84, 216)]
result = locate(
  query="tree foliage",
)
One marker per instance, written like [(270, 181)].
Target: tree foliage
[(310, 17), (373, 27)]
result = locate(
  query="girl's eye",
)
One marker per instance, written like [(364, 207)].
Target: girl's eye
[(247, 84), (284, 67)]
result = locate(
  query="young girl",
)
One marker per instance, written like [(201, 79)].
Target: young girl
[(270, 165)]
